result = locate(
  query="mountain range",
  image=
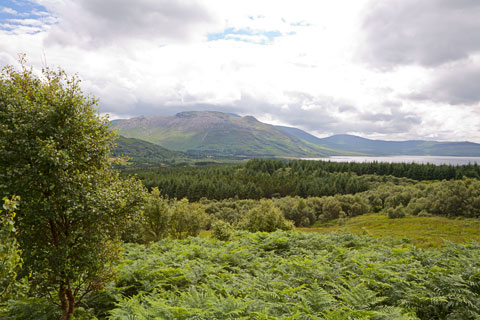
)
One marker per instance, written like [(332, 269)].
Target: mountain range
[(223, 134)]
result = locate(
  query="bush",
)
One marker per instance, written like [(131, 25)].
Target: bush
[(332, 209), (265, 217), (398, 212), (297, 210), (222, 230), (186, 219)]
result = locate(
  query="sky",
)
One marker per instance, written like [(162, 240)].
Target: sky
[(383, 69)]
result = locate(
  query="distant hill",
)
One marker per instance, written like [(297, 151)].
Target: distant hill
[(411, 147), (143, 152), (219, 133), (300, 134), (222, 134)]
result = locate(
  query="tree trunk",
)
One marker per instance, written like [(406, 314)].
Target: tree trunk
[(71, 300), (67, 301), (64, 302)]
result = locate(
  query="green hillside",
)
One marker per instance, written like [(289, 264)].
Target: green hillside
[(411, 147), (212, 132), (142, 152)]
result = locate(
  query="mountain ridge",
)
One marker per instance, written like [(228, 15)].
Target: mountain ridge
[(218, 133), (214, 132)]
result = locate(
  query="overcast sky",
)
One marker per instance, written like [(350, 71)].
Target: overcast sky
[(392, 69)]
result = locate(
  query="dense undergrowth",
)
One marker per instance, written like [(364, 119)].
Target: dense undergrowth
[(292, 275)]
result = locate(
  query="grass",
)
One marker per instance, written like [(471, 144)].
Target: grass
[(425, 232)]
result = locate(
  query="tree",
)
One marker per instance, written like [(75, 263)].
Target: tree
[(157, 216), (54, 154), (10, 259), (265, 217), (332, 208), (186, 219)]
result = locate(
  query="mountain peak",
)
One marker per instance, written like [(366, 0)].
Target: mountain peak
[(218, 133)]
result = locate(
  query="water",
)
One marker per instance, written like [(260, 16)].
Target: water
[(438, 160)]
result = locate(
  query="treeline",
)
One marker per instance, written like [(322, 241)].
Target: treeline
[(457, 198), (226, 182), (274, 178), (165, 217), (414, 171)]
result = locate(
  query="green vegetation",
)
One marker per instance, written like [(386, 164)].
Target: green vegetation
[(54, 154), (131, 152), (10, 260), (431, 231), (85, 243), (294, 276), (274, 178), (141, 152)]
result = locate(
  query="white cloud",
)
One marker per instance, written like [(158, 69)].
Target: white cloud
[(8, 11), (297, 63)]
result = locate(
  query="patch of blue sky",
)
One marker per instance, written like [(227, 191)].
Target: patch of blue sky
[(245, 35), (17, 13)]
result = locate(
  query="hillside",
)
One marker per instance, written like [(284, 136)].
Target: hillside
[(223, 134), (212, 132), (143, 152), (410, 147)]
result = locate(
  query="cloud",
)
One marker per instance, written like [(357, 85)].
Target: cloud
[(8, 11), (107, 22), (456, 84), (427, 32), (284, 62)]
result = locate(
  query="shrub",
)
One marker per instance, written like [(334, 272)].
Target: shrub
[(332, 208), (186, 219), (398, 212), (222, 230), (265, 217)]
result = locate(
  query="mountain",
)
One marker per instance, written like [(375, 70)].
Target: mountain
[(222, 134), (300, 134), (141, 152), (411, 147), (213, 132)]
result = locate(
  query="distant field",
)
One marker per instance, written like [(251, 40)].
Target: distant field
[(421, 231)]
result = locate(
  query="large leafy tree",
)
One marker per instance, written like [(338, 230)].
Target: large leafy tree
[(54, 154)]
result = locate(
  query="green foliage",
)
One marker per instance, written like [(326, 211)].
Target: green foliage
[(332, 209), (395, 213), (277, 179), (157, 216), (274, 178), (297, 210), (291, 275), (143, 153), (446, 198), (54, 154), (265, 217), (10, 260), (221, 230), (186, 219)]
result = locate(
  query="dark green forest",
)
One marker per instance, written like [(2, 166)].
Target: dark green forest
[(276, 178)]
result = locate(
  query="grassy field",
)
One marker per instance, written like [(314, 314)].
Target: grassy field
[(421, 231)]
